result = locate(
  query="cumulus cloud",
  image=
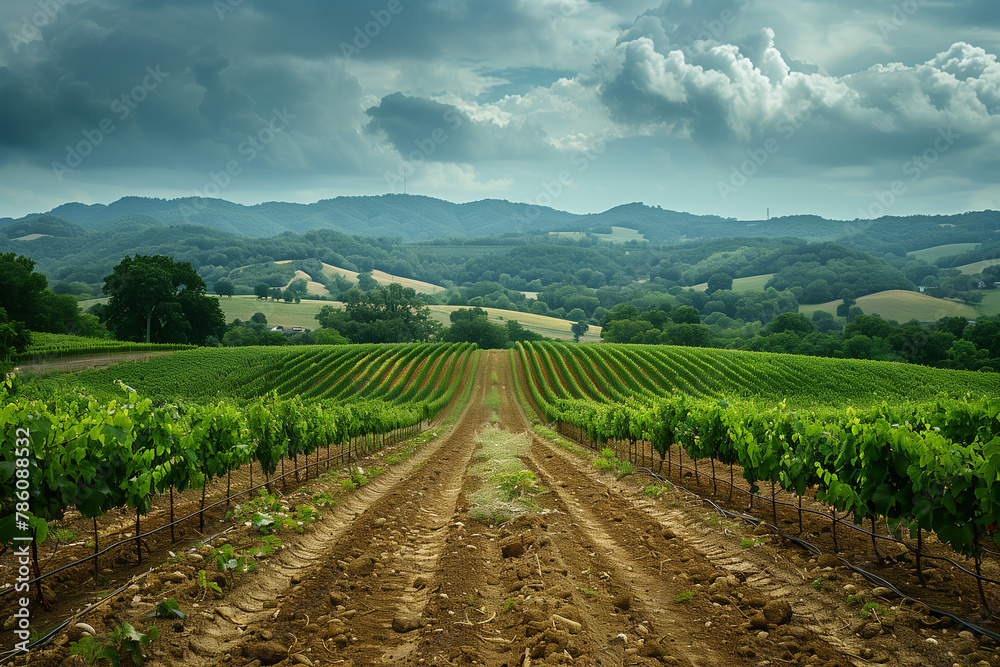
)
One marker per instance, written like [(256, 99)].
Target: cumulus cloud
[(725, 93)]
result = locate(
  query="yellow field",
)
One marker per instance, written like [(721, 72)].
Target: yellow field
[(277, 312), (313, 287), (902, 306), (931, 255), (748, 284), (304, 315), (977, 267), (383, 278), (551, 327)]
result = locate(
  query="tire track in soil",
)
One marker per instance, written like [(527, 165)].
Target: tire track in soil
[(344, 584), (627, 554)]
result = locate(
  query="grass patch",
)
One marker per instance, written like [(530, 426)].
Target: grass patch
[(686, 596), (508, 489), (494, 403), (608, 461)]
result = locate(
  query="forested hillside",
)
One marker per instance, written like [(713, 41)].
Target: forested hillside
[(416, 218)]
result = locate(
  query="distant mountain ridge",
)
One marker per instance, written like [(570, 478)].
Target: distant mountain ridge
[(418, 218), (410, 217)]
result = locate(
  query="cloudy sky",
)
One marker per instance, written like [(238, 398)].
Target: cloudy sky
[(842, 108)]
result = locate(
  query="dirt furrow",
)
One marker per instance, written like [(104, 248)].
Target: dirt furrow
[(364, 602), (360, 558)]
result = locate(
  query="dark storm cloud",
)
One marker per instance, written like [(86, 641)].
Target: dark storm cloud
[(182, 87), (443, 133), (87, 80)]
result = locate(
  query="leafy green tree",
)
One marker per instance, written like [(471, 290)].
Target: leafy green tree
[(473, 326), (25, 298), (720, 281), (288, 296), (985, 334), (329, 337), (790, 322), (686, 315), (14, 339), (225, 287), (691, 335), (366, 283), (261, 290), (579, 329), (259, 318), (144, 286), (517, 333), (21, 289), (392, 314), (299, 286)]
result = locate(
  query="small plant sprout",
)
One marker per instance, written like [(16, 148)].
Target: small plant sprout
[(169, 608)]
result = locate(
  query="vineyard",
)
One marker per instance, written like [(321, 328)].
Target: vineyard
[(401, 374), (856, 441), (59, 346), (108, 445), (909, 452), (616, 373)]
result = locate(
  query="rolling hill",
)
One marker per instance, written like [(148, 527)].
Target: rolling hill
[(901, 306), (415, 218), (935, 253), (748, 284)]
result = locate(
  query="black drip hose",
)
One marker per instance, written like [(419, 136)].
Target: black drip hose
[(874, 578)]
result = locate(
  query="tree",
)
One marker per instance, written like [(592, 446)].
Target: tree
[(20, 289), (985, 334), (261, 290), (299, 286), (275, 293), (225, 287), (579, 329), (366, 283), (14, 339), (720, 281), (516, 333), (790, 322), (329, 337), (686, 315), (288, 296), (473, 326), (259, 318), (392, 314), (145, 286)]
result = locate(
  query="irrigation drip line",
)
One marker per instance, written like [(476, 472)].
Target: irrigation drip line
[(873, 578), (855, 527), (43, 641)]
